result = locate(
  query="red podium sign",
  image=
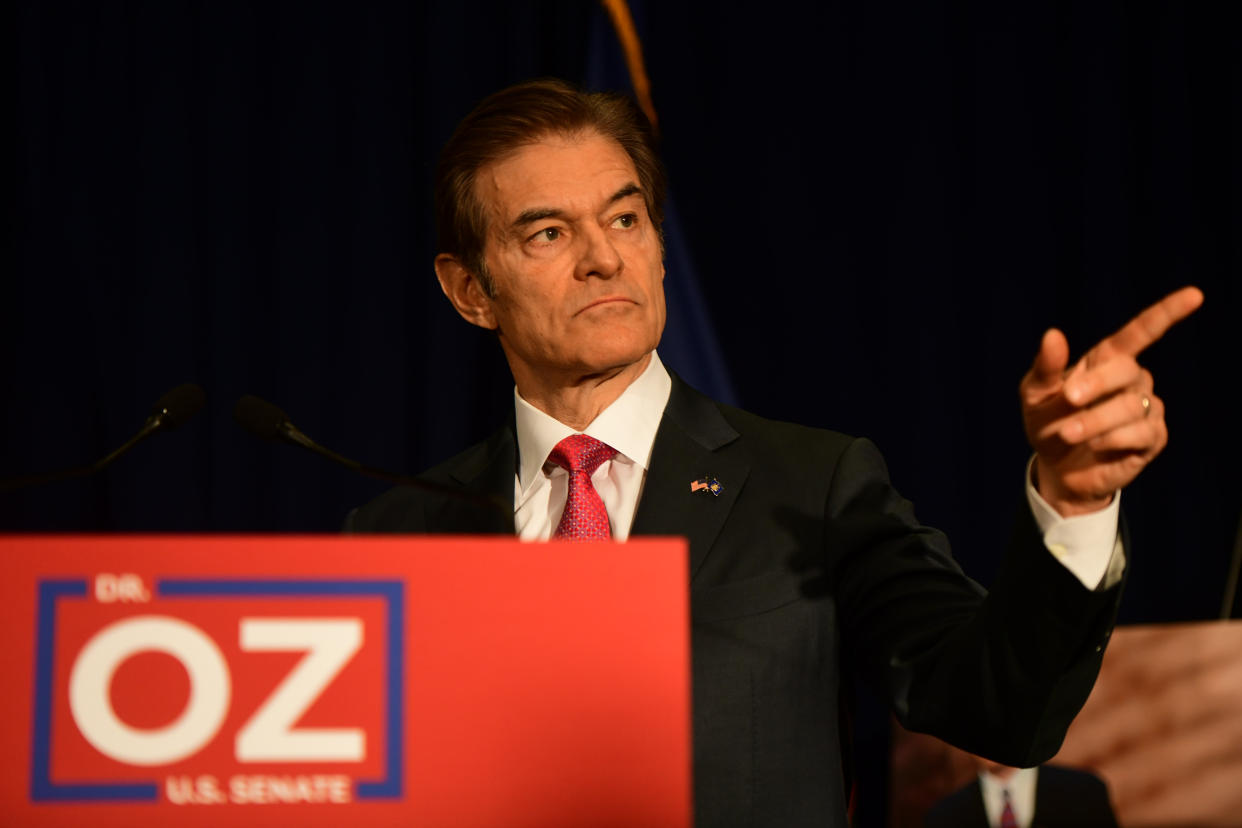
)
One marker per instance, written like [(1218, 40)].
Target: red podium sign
[(157, 680)]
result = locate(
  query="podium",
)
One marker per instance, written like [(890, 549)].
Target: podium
[(376, 680)]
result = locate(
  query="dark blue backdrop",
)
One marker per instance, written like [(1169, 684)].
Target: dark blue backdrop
[(882, 205)]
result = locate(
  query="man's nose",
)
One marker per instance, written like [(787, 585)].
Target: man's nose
[(599, 256)]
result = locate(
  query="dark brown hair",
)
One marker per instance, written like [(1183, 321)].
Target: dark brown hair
[(519, 116)]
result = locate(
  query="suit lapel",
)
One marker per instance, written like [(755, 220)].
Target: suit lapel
[(485, 475), (978, 813), (690, 445)]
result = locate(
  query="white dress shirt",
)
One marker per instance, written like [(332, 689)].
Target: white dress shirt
[(1088, 545), (1021, 787), (629, 425)]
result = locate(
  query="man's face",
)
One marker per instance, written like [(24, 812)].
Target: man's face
[(574, 260)]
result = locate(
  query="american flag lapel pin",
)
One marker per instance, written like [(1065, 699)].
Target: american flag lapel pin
[(707, 483)]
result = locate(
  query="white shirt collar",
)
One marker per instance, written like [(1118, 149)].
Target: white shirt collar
[(1021, 787), (629, 425)]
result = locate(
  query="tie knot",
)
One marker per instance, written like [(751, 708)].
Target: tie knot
[(579, 452)]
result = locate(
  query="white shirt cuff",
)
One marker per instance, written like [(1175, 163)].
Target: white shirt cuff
[(1087, 545)]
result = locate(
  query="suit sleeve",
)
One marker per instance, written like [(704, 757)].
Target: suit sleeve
[(1000, 674)]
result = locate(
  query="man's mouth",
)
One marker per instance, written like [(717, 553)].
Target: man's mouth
[(606, 300)]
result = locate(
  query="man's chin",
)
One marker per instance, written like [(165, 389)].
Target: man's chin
[(616, 360)]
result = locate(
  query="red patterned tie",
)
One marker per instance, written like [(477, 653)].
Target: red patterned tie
[(585, 517), (1008, 820)]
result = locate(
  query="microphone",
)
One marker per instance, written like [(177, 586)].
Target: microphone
[(176, 407), (263, 419), (171, 410)]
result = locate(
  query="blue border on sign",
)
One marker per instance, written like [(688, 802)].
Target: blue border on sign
[(42, 789)]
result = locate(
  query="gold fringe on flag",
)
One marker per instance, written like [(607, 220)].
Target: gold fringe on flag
[(623, 24)]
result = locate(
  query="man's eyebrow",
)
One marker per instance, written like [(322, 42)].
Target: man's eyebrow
[(535, 214), (625, 192)]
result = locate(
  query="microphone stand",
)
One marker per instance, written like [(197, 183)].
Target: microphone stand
[(172, 409)]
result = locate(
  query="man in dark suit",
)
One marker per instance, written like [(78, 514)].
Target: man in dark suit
[(1043, 797), (803, 559)]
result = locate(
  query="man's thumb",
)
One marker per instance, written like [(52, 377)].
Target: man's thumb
[(1053, 356)]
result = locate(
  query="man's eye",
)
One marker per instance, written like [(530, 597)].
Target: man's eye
[(626, 221), (548, 234)]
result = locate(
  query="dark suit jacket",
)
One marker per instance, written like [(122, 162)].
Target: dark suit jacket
[(1064, 798), (806, 564)]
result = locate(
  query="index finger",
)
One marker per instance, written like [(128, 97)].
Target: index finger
[(1151, 324)]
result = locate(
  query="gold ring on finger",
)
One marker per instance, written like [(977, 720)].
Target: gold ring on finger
[(1146, 406)]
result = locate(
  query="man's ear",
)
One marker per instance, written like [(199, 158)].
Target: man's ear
[(465, 291)]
